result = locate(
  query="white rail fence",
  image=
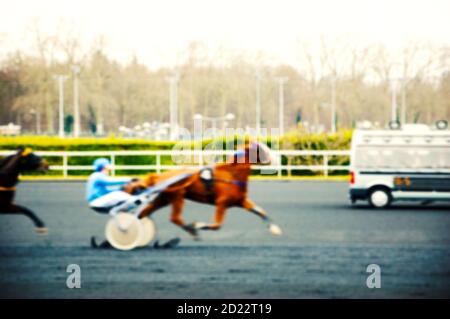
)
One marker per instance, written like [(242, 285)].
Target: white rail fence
[(201, 158)]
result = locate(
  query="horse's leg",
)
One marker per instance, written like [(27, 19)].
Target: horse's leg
[(219, 217), (158, 203), (177, 219), (16, 209), (255, 209)]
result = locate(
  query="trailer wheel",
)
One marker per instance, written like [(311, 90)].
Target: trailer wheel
[(380, 197)]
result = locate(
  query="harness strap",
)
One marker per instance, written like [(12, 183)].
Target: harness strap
[(238, 183), (7, 189)]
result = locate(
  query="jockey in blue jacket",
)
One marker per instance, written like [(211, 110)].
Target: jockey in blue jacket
[(102, 191)]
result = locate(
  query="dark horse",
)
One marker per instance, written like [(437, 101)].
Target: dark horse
[(10, 168)]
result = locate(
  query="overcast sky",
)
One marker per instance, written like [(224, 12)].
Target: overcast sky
[(157, 30)]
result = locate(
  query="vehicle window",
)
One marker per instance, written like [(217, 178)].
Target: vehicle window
[(394, 157)]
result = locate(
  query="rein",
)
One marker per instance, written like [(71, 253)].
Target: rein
[(7, 189)]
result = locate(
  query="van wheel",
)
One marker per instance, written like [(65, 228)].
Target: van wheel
[(380, 198)]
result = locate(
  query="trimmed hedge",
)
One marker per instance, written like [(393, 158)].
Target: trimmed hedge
[(51, 143), (293, 140)]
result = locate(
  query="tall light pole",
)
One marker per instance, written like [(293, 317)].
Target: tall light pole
[(61, 78), (403, 105), (258, 103), (173, 96), (76, 102), (393, 100), (333, 105), (38, 121), (37, 115), (281, 81)]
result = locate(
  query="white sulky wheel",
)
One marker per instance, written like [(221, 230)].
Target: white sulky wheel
[(128, 235), (148, 231)]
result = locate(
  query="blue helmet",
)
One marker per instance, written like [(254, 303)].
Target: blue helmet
[(100, 164)]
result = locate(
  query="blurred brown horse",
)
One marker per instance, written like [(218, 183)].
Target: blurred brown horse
[(223, 185), (10, 168)]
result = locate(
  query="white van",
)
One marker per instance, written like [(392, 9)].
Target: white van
[(409, 163)]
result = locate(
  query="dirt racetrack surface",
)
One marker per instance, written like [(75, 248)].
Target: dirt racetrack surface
[(326, 247)]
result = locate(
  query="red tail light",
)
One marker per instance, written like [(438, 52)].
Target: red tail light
[(352, 177)]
